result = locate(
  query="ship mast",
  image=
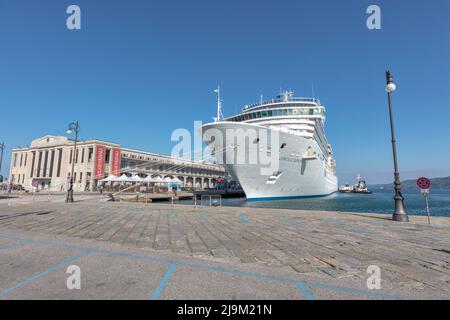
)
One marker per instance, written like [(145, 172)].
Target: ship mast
[(219, 105)]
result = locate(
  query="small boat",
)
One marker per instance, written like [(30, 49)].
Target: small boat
[(346, 188), (361, 186)]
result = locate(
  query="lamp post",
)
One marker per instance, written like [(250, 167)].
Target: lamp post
[(399, 213), (73, 127), (2, 146)]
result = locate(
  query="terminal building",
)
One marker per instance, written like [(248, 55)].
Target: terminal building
[(47, 164)]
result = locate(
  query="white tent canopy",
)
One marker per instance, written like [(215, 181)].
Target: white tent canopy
[(123, 178), (136, 178), (152, 179), (111, 177), (176, 180)]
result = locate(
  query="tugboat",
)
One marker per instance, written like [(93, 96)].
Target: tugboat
[(361, 186), (346, 188)]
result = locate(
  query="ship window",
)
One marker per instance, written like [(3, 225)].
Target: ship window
[(290, 112), (258, 114), (263, 114), (269, 113), (311, 111), (283, 145)]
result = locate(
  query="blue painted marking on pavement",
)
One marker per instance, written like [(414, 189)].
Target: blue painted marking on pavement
[(164, 281), (44, 273), (243, 218), (257, 276), (202, 217), (304, 289)]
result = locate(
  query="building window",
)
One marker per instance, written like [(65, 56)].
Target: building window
[(76, 155), (81, 176), (82, 155), (15, 159), (70, 156), (90, 153), (21, 158), (108, 151), (26, 156)]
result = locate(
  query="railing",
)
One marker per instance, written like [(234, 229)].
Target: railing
[(297, 99)]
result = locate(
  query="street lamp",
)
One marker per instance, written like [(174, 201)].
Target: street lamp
[(2, 146), (399, 213), (73, 127)]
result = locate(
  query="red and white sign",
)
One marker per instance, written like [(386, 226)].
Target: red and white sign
[(423, 183), (115, 170), (99, 168)]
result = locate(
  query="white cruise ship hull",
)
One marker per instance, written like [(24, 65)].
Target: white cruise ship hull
[(298, 175)]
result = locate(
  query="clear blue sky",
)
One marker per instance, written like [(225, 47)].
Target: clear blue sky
[(139, 69)]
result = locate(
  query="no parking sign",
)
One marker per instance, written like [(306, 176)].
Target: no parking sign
[(424, 184)]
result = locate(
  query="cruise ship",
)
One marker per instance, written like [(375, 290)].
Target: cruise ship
[(289, 130)]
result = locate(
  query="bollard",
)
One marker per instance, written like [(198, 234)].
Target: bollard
[(48, 197)]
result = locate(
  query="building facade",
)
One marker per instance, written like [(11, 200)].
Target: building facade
[(47, 163)]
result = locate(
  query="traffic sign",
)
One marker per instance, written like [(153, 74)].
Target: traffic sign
[(423, 183)]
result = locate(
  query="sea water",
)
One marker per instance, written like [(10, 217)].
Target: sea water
[(380, 201)]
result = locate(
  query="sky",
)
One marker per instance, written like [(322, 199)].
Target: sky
[(137, 70)]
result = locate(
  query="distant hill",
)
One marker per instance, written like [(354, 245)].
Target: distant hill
[(436, 183)]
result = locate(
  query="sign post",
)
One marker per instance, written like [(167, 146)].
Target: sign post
[(424, 185)]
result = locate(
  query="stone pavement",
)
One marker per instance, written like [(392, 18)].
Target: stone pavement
[(156, 251)]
